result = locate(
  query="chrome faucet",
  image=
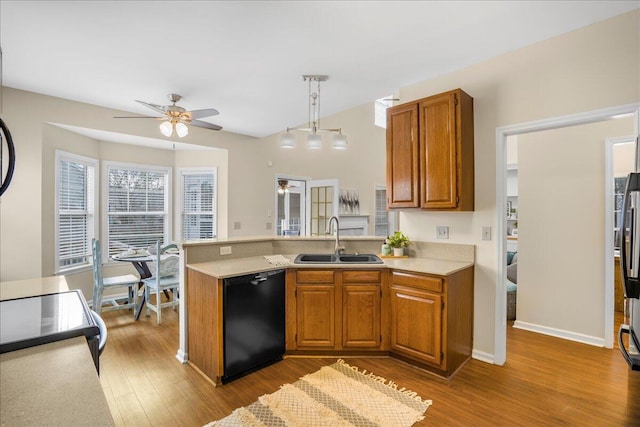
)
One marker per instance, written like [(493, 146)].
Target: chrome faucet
[(338, 249)]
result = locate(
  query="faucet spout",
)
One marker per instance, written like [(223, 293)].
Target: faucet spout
[(338, 248)]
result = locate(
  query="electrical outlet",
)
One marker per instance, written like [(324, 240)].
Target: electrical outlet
[(442, 232), (486, 232), (236, 225), (225, 250), (269, 226)]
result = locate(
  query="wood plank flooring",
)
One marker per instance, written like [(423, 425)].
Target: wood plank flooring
[(545, 382)]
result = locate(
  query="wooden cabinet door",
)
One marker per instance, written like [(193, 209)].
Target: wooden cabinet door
[(438, 152), (402, 157), (416, 324), (315, 313), (361, 316)]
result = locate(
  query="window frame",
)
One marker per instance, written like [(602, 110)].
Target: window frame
[(92, 209), (181, 208), (107, 166)]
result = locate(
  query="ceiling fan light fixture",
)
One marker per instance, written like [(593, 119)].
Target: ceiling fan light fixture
[(166, 128), (182, 130), (339, 141), (287, 140), (314, 141)]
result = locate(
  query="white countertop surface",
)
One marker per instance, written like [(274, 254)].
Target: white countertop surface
[(250, 265)]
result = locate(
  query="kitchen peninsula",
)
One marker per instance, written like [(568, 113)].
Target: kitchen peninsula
[(418, 309)]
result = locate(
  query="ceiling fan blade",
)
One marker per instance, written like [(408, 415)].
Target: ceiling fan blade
[(198, 114), (201, 124), (159, 108)]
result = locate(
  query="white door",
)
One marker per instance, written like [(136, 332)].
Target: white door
[(322, 204)]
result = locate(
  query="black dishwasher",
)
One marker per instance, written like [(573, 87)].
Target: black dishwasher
[(253, 322)]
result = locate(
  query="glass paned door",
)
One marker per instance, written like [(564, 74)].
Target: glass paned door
[(322, 202)]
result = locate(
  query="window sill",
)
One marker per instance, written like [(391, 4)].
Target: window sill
[(74, 270)]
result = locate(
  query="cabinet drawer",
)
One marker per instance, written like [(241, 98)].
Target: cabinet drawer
[(424, 282), (361, 276), (314, 276)]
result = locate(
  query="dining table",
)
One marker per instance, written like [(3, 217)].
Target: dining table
[(140, 263)]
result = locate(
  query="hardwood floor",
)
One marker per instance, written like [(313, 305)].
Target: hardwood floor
[(545, 382)]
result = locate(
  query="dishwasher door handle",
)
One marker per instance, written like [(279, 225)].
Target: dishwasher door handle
[(258, 279)]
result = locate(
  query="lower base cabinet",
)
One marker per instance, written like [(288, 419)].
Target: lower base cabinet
[(432, 319), (334, 310)]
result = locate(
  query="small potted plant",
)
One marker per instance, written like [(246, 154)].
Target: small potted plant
[(398, 242)]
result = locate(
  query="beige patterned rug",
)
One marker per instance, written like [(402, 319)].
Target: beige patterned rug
[(336, 395)]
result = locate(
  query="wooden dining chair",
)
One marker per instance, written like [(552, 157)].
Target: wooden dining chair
[(101, 283), (166, 277)]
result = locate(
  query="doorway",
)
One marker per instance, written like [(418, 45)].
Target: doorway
[(501, 198)]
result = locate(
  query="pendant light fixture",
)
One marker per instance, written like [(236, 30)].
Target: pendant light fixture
[(314, 140)]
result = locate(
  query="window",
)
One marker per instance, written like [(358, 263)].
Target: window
[(137, 206), (76, 198), (380, 110), (199, 191)]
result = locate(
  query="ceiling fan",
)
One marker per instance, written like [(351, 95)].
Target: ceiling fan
[(177, 118)]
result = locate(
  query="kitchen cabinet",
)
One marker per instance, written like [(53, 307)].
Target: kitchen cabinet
[(361, 309), (334, 309), (316, 309), (432, 319), (430, 153)]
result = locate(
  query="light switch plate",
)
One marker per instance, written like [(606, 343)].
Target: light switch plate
[(237, 225), (442, 232), (486, 232)]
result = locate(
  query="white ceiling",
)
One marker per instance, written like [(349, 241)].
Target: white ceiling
[(246, 58)]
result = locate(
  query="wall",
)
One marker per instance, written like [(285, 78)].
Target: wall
[(360, 167), (588, 69), (27, 208), (561, 243), (623, 159)]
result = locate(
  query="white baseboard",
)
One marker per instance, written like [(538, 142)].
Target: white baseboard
[(482, 356), (560, 333), (182, 356)]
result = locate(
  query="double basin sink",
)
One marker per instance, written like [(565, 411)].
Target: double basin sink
[(337, 259)]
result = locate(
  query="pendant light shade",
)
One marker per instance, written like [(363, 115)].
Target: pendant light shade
[(339, 141), (314, 141), (287, 140), (166, 128)]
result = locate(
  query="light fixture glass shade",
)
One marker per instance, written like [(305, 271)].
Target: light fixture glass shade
[(287, 140), (314, 141), (166, 128), (339, 142), (182, 129)]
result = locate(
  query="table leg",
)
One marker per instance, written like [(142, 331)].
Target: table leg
[(140, 304)]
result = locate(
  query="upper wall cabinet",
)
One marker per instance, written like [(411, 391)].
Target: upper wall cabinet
[(430, 153)]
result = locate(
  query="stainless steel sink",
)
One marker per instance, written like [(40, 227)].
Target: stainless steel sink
[(339, 259), (315, 258), (361, 259)]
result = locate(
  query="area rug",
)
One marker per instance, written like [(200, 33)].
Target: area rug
[(336, 395)]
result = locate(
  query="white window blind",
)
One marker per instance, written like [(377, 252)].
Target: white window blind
[(137, 207), (75, 209), (382, 216), (198, 204)]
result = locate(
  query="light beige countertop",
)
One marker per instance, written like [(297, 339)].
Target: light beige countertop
[(250, 265), (50, 384), (31, 287)]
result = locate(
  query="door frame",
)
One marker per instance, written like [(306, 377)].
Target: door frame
[(275, 197), (500, 322)]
